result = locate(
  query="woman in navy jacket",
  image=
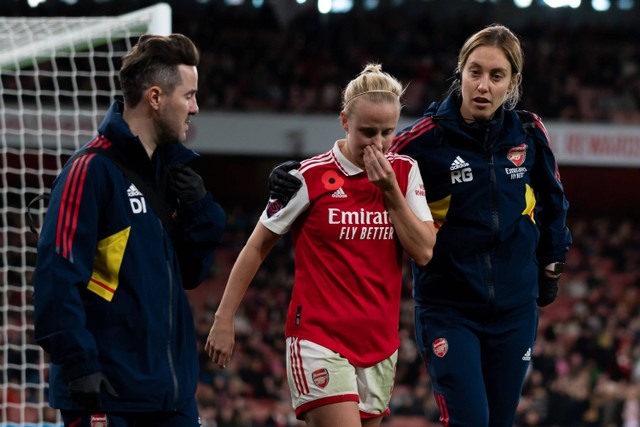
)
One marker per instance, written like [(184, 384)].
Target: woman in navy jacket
[(494, 190), (112, 268), (496, 197)]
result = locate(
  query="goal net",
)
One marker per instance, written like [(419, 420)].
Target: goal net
[(58, 76)]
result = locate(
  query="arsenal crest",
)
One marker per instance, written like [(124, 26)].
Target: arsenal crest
[(517, 154), (320, 377), (99, 420), (273, 207), (440, 347)]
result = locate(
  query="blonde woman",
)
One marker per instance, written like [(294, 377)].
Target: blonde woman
[(358, 207)]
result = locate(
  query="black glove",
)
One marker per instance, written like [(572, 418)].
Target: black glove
[(187, 184), (283, 185), (85, 391), (547, 289)]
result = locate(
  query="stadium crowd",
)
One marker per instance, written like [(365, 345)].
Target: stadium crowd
[(570, 73), (585, 366), (278, 59), (586, 363)]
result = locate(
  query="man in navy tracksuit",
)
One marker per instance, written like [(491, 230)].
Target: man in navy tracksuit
[(112, 268), (494, 190)]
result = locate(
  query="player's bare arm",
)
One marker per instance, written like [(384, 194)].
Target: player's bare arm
[(219, 345)]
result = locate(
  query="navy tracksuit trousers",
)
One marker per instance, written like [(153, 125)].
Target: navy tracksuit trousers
[(477, 363), (186, 417)]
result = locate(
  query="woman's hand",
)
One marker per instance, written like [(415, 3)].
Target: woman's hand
[(378, 168), (220, 342)]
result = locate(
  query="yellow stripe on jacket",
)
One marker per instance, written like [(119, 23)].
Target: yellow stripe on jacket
[(107, 262)]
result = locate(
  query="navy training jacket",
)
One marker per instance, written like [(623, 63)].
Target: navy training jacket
[(109, 281), (495, 194)]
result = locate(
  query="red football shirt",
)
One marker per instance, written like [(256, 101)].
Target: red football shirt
[(348, 261)]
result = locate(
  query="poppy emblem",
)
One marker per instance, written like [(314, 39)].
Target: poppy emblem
[(332, 181), (517, 154), (320, 377), (440, 347)]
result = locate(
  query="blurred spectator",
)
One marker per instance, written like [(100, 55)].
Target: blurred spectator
[(586, 362), (254, 61)]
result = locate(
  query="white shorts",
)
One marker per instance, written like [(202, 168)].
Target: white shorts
[(319, 376)]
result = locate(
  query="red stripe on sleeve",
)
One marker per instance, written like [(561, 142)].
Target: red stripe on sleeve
[(418, 129), (70, 202), (64, 211), (61, 210), (77, 198), (101, 141), (69, 205)]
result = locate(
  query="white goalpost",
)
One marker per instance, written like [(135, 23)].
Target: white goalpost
[(58, 76)]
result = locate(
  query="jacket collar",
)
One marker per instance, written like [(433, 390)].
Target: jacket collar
[(129, 148), (446, 113)]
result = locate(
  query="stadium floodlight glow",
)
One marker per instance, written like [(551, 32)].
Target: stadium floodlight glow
[(601, 5), (324, 6), (370, 4), (522, 4), (341, 6), (563, 3), (334, 6), (626, 4), (35, 3), (301, 1)]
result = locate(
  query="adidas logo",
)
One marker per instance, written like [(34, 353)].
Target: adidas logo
[(527, 355), (138, 204), (133, 191), (339, 194), (458, 163)]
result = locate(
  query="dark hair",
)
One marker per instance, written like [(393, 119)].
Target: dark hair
[(153, 61)]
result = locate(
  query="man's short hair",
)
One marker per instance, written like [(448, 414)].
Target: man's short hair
[(154, 60)]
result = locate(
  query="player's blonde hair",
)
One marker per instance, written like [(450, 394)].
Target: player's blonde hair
[(375, 85)]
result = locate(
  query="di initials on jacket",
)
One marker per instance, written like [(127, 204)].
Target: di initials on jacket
[(110, 280)]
